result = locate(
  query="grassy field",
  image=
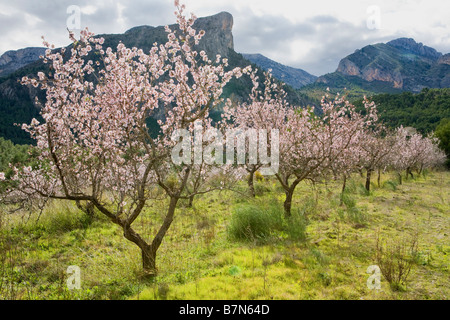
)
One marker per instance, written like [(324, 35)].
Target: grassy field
[(322, 252)]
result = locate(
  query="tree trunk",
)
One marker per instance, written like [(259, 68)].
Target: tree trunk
[(149, 261), (369, 174), (289, 191), (344, 184), (400, 181), (191, 201), (250, 181), (420, 169), (166, 224), (379, 178), (288, 203), (408, 173), (88, 208), (149, 250)]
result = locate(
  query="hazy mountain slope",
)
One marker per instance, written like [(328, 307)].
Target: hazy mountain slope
[(294, 77), (12, 60)]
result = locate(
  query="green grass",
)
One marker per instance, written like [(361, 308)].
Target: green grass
[(322, 252)]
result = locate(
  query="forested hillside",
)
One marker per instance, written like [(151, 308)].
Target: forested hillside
[(423, 110)]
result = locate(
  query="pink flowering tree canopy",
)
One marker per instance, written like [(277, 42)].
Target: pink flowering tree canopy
[(94, 144), (311, 146), (260, 120)]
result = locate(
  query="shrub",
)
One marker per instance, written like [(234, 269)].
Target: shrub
[(361, 189), (63, 217), (261, 188), (348, 200), (396, 259), (255, 220), (261, 219), (259, 177)]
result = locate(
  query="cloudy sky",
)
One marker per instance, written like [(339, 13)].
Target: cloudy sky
[(312, 35)]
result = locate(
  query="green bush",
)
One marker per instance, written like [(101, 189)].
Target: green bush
[(261, 219), (348, 200), (261, 188), (255, 220)]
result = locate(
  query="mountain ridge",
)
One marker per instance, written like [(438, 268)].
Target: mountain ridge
[(396, 66), (294, 77), (13, 60), (403, 62), (399, 65)]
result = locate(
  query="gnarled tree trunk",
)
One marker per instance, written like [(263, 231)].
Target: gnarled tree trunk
[(149, 251), (191, 201)]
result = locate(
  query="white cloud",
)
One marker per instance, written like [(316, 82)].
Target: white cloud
[(88, 10)]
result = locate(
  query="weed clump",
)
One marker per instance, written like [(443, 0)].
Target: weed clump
[(396, 259), (255, 221), (259, 221)]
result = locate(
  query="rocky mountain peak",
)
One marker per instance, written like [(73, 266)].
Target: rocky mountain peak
[(218, 37), (402, 63), (411, 46)]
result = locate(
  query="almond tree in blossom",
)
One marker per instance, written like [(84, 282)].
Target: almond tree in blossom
[(350, 130), (375, 149), (414, 152), (94, 144), (433, 155), (258, 119), (312, 146)]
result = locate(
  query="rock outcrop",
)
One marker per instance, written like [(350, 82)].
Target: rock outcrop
[(218, 38), (348, 68), (402, 63)]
